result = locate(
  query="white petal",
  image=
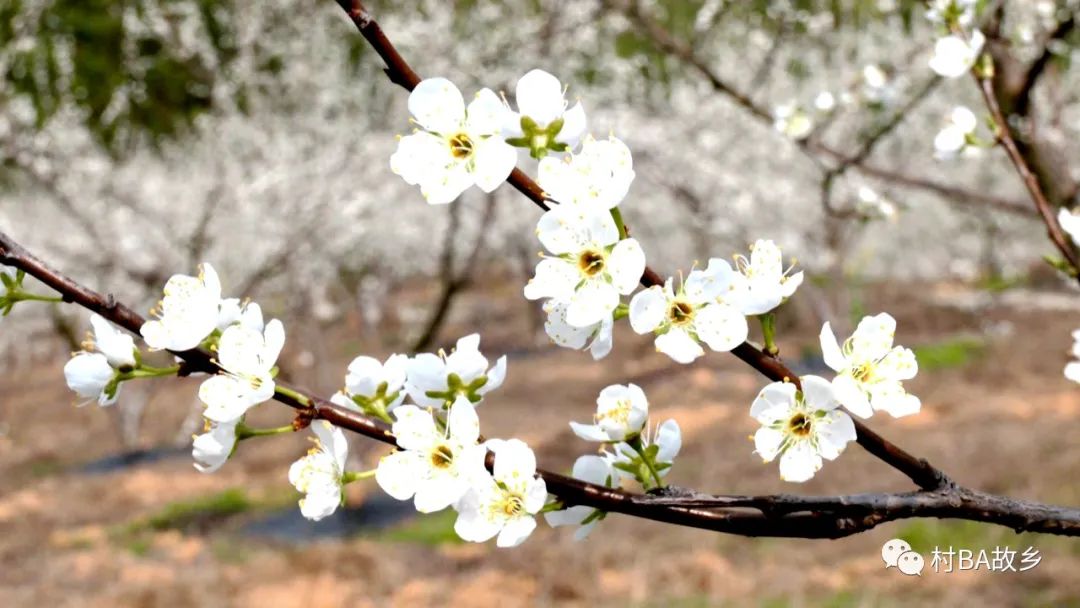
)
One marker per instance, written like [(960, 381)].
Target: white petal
[(568, 517), (774, 398), (445, 185), (593, 469), (398, 474), (830, 349), (767, 443), (495, 376), (463, 423), (669, 438), (493, 161), (514, 462), (540, 96), (818, 393), (418, 156), (647, 309), (573, 126), (87, 374), (899, 364), (591, 303), (891, 397), (799, 462), (678, 345), (486, 114), (626, 265), (835, 435), (516, 531), (602, 343), (414, 428), (318, 505), (850, 395), (438, 106), (589, 432), (555, 278), (440, 492), (720, 326)]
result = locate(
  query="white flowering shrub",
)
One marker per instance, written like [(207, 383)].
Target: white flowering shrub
[(591, 275)]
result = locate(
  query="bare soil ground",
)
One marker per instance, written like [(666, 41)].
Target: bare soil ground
[(997, 415)]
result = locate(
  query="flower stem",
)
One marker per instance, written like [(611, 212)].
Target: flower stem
[(244, 432), (288, 392), (617, 216), (145, 371), (768, 329), (640, 449), (22, 296), (351, 476)]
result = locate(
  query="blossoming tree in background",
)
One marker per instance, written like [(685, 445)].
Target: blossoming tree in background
[(592, 275)]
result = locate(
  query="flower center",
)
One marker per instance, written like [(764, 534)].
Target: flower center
[(620, 414), (799, 425), (461, 146), (512, 505), (442, 457), (863, 372), (591, 262), (680, 313)]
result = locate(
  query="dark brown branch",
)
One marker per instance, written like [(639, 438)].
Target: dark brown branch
[(771, 515), (1031, 182), (398, 70)]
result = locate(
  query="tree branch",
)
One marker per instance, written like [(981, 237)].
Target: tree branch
[(780, 515)]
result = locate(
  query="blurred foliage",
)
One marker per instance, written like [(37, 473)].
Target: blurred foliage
[(435, 529), (119, 62), (950, 353)]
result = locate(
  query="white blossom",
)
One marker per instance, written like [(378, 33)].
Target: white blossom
[(954, 56), (825, 102), (578, 338), (870, 204), (801, 427), (246, 354), (212, 448), (542, 122), (1070, 223), (792, 121), (943, 12), (319, 474), (1072, 369), (438, 380), (117, 345), (506, 502), (90, 376), (957, 134), (870, 370), (455, 147), (592, 469), (436, 467), (706, 308), (621, 411), (372, 383), (187, 313), (590, 267), (769, 283), (597, 177)]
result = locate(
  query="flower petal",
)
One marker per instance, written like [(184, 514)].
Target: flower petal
[(438, 106)]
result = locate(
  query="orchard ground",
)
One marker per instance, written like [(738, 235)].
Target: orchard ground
[(77, 528)]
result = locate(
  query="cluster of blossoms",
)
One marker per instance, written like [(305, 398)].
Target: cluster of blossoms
[(957, 52), (804, 425), (430, 400)]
